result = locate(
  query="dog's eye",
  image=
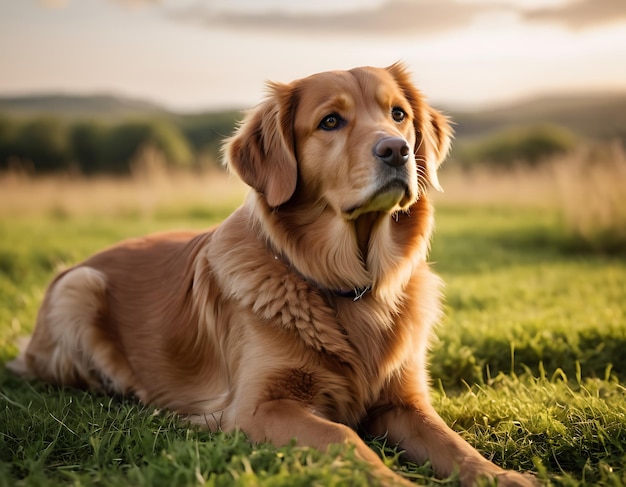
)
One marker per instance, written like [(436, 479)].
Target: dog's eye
[(398, 114), (331, 122)]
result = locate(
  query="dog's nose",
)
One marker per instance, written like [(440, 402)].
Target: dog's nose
[(393, 151)]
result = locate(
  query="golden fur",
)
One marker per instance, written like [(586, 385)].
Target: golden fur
[(253, 324)]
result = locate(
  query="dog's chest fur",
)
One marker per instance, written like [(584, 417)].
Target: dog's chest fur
[(347, 352)]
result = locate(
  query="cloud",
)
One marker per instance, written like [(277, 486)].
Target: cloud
[(136, 4), (391, 18), (580, 14), (53, 4), (129, 4)]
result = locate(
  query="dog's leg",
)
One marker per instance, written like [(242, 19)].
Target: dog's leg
[(421, 432), (282, 421), (69, 345)]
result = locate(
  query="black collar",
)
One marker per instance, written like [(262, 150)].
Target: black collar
[(354, 294)]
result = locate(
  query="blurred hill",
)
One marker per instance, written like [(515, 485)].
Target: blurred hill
[(103, 133), (588, 115), (78, 106), (585, 114)]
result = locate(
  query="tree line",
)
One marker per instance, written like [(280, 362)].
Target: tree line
[(48, 144), (530, 146), (90, 147)]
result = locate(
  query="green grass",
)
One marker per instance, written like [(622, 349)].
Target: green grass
[(516, 302), (527, 366)]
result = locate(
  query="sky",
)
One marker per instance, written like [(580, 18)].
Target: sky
[(194, 55)]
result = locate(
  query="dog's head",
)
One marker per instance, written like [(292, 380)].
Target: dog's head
[(359, 141)]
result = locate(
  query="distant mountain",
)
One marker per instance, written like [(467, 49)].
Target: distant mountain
[(591, 115), (78, 106)]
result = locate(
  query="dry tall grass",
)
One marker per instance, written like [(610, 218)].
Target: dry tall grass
[(519, 186), (148, 191), (587, 187), (591, 184)]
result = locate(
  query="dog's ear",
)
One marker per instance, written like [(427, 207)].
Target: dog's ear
[(437, 134), (262, 151), (433, 133)]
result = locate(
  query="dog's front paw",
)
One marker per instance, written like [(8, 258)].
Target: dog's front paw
[(509, 478), (487, 474)]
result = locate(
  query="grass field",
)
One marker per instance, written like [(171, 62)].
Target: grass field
[(528, 365)]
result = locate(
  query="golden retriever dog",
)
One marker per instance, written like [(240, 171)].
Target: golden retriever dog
[(308, 311)]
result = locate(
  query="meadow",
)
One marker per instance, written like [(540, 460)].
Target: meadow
[(528, 364)]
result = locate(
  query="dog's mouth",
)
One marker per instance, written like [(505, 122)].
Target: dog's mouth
[(389, 197)]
